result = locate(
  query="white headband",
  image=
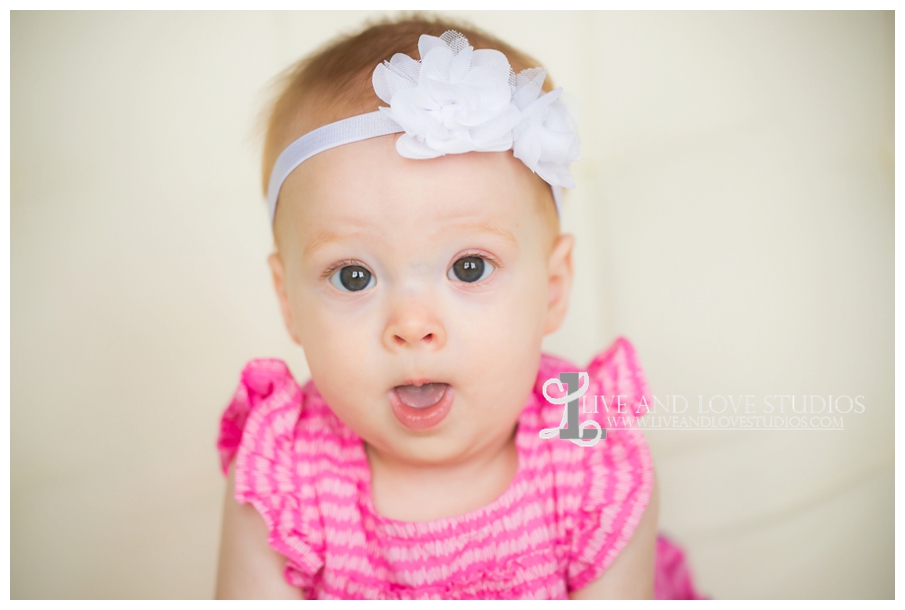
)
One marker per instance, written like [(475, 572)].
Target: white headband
[(455, 100)]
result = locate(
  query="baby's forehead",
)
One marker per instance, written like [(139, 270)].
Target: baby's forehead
[(366, 187), (372, 171)]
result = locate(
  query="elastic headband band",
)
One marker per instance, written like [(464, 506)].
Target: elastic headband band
[(346, 131), (354, 129)]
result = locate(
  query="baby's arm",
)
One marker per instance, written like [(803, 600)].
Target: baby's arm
[(248, 568), (631, 576)]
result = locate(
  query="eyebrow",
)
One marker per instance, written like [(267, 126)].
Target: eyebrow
[(326, 237), (322, 239), (486, 227)]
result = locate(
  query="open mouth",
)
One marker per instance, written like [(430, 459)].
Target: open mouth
[(419, 407)]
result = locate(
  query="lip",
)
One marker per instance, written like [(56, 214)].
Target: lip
[(421, 419)]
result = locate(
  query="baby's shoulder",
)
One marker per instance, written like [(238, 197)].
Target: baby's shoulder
[(278, 436), (601, 489)]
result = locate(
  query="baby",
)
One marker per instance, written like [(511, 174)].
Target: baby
[(419, 263)]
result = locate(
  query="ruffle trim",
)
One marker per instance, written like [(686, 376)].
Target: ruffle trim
[(673, 578), (258, 431), (619, 469)]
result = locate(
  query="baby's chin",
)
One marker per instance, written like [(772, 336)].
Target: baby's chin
[(436, 450)]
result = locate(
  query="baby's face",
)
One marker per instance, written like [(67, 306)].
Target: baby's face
[(420, 291)]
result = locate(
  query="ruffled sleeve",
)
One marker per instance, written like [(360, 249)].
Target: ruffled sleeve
[(618, 470), (258, 431)]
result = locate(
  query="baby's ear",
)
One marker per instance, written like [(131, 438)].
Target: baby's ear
[(559, 282), (279, 284)]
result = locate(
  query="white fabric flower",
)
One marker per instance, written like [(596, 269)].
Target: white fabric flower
[(545, 139), (458, 100)]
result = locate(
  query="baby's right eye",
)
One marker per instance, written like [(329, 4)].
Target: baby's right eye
[(352, 278)]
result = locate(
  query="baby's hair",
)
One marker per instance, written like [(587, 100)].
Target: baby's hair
[(334, 82)]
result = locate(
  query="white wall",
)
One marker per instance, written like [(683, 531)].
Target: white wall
[(734, 218)]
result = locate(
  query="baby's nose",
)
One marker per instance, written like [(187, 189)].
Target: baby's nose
[(413, 324), (410, 336)]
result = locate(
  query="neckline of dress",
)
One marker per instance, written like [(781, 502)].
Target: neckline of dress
[(412, 529)]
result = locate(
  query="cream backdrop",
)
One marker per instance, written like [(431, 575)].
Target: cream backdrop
[(734, 217)]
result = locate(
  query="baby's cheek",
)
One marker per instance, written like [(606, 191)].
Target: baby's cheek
[(338, 338), (331, 341), (342, 364), (521, 313), (506, 338)]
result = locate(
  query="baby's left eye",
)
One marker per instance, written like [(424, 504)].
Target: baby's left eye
[(471, 269)]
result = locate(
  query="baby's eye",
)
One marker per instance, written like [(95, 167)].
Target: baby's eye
[(352, 278), (471, 269)]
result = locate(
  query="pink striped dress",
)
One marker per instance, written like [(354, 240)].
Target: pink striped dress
[(560, 524)]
